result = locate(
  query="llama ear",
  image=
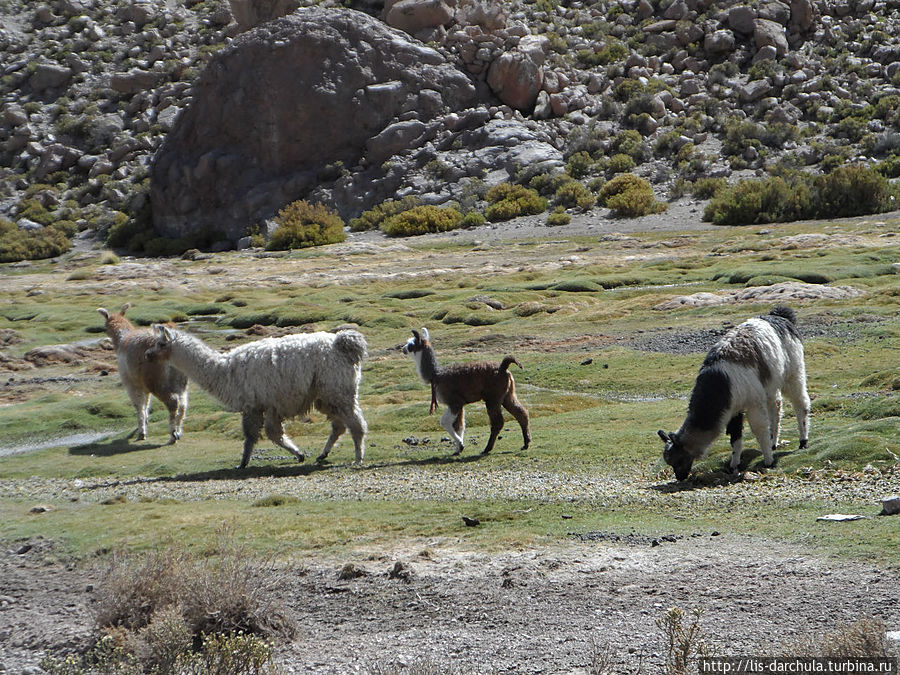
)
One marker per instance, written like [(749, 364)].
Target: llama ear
[(125, 308), (425, 335), (103, 312), (663, 435), (416, 336), (167, 334)]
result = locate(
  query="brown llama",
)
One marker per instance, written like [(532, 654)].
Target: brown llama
[(142, 377), (460, 384)]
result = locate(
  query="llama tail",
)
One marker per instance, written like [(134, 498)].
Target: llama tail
[(784, 312), (505, 363), (352, 344)]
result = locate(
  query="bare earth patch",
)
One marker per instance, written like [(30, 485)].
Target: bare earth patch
[(546, 610)]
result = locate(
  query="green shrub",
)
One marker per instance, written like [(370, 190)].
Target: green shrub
[(574, 194), (620, 163), (421, 220), (846, 191), (17, 244), (705, 188), (558, 217), (753, 201), (630, 142), (852, 191), (629, 196), (472, 219), (579, 164), (301, 225), (613, 50), (372, 219), (510, 200)]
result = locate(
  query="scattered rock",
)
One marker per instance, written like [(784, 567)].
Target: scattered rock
[(890, 505), (400, 571), (471, 522), (351, 571)]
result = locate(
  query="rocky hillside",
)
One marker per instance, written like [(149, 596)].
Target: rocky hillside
[(221, 114)]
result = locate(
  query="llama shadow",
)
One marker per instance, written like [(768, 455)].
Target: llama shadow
[(294, 470), (114, 446), (437, 460), (721, 476)]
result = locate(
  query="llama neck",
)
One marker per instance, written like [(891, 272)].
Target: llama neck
[(201, 363), (427, 365)]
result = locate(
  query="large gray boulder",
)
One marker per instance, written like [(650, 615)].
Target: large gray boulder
[(287, 99)]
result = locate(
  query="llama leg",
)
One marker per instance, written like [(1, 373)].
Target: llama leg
[(251, 422), (800, 402), (141, 401), (173, 403), (758, 418), (517, 410), (358, 429), (460, 425), (275, 433), (337, 428), (449, 421), (180, 414), (735, 430), (496, 417), (775, 418)]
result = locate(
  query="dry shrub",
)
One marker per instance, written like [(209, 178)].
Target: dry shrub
[(685, 642), (862, 638), (161, 602)]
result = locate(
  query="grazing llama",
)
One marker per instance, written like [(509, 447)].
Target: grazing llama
[(274, 379), (463, 383), (142, 377), (746, 371)]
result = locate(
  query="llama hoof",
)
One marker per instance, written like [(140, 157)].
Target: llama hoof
[(172, 440), (321, 459), (485, 451), (458, 451), (804, 444), (141, 437), (301, 458)]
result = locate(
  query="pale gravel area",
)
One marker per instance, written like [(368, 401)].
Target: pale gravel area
[(412, 483)]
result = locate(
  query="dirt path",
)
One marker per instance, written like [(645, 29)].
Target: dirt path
[(546, 610)]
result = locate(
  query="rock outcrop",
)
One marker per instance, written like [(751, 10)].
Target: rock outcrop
[(311, 90)]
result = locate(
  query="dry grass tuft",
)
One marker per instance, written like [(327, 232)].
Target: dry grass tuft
[(160, 603), (864, 637)]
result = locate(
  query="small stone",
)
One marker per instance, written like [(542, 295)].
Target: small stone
[(471, 522)]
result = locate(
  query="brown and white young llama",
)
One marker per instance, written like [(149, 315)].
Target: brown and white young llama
[(460, 384), (141, 377), (746, 371)]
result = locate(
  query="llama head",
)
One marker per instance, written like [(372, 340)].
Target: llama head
[(162, 347), (417, 343), (116, 324), (675, 455)]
